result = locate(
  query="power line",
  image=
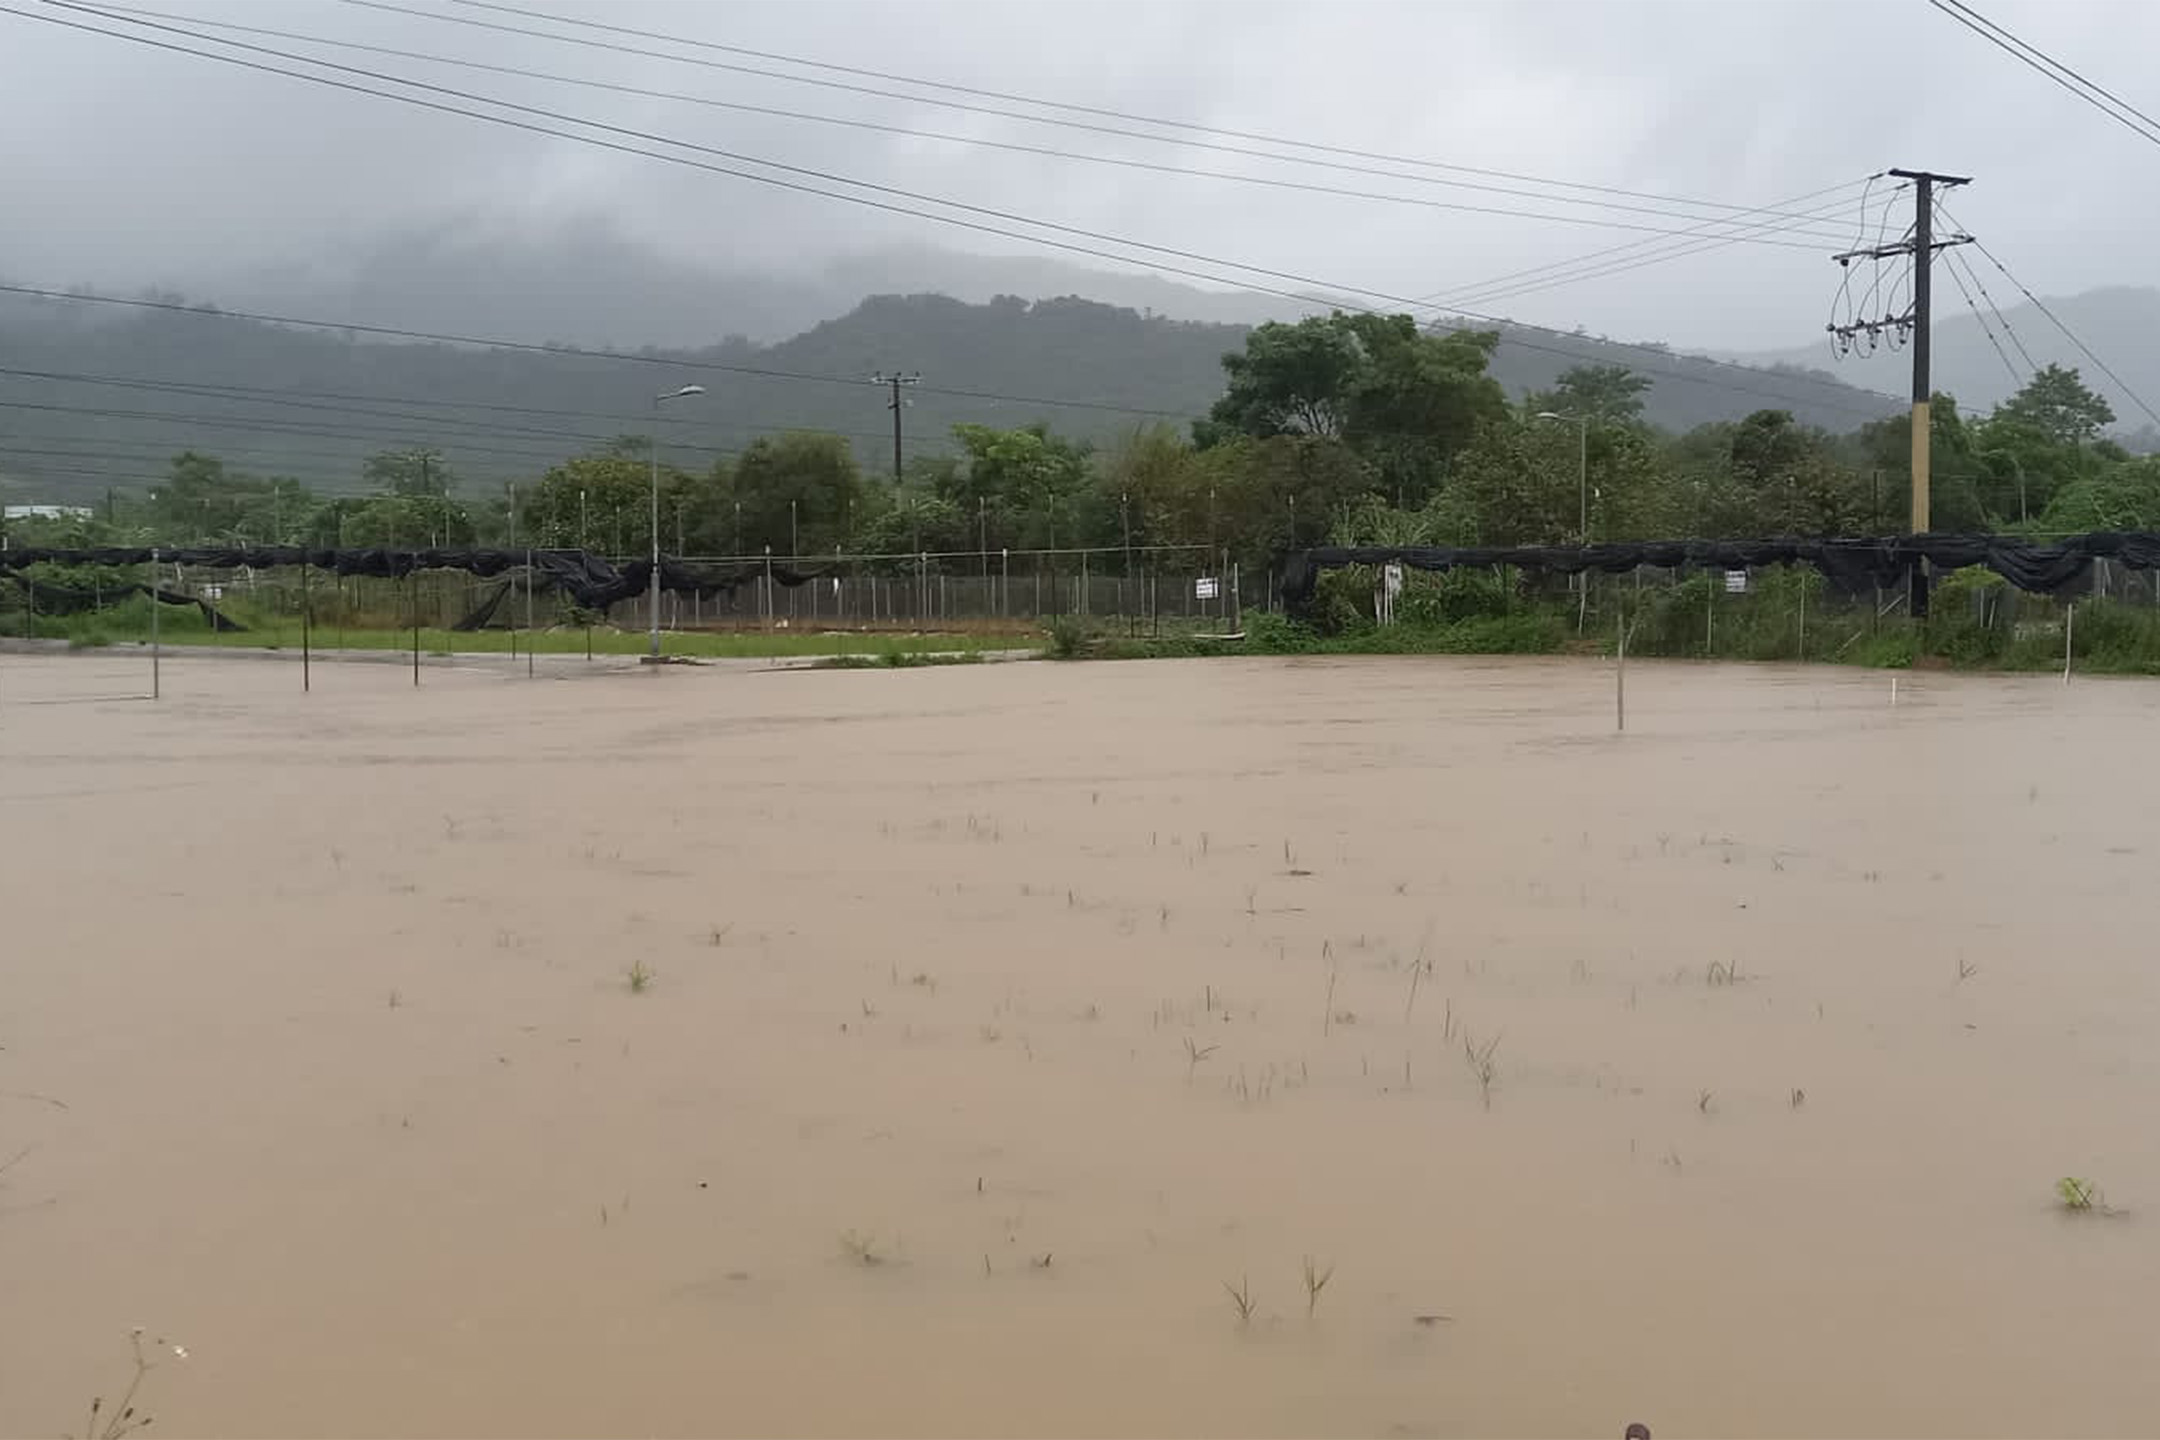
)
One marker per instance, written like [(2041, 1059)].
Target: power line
[(301, 399), (484, 427), (274, 425), (2083, 349), (1609, 260), (2002, 321), (120, 11), (742, 158), (9, 448), (1986, 329), (950, 88), (2121, 111), (880, 205), (1668, 252), (43, 469)]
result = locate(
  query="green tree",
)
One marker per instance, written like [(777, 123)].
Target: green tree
[(200, 500), (799, 492), (1609, 394), (2125, 496), (420, 472), (1030, 489), (1402, 401), (2057, 403), (603, 503)]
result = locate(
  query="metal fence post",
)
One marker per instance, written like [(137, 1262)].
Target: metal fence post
[(157, 653)]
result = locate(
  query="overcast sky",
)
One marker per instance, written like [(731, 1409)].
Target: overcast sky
[(125, 166)]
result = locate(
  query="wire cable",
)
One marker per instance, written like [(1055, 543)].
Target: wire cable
[(2038, 304), (2121, 111), (2016, 380), (1620, 266), (1272, 182), (1972, 274), (1483, 291), (1188, 126), (265, 395), (875, 203)]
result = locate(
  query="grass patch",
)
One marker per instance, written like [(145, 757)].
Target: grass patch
[(1527, 632), (898, 660), (2073, 1193)]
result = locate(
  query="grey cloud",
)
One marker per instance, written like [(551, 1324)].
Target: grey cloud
[(156, 168)]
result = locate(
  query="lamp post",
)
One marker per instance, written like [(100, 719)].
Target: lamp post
[(653, 453), (1582, 468), (1582, 481)]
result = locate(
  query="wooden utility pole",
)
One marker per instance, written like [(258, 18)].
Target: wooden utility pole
[(895, 405)]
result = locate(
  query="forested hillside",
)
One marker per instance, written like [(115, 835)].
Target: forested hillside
[(96, 397)]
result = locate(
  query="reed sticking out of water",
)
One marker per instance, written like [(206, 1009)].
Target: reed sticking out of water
[(1327, 1013), (122, 1419), (1241, 1296), (2077, 1194), (861, 1248), (1417, 968), (1703, 1099), (1316, 1280), (1482, 1066), (1966, 969), (1194, 1054), (639, 977)]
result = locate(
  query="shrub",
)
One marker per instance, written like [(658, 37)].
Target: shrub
[(1272, 634), (1068, 638)]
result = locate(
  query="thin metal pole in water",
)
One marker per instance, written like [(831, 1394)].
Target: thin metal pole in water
[(2069, 626), (528, 613), (1620, 680), (412, 594), (157, 652), (1803, 615), (307, 617)]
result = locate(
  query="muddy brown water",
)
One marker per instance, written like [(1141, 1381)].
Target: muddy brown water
[(1003, 1019)]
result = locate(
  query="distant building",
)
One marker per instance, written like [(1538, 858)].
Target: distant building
[(46, 512)]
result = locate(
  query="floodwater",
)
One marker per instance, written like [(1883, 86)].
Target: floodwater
[(1003, 1020)]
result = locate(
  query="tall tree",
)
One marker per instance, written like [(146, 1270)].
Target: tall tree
[(2057, 403), (1608, 394), (1402, 401), (798, 491)]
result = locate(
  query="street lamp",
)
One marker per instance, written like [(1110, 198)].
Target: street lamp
[(1582, 461), (653, 453)]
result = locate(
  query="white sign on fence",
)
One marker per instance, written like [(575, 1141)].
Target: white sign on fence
[(1207, 587), (1736, 582)]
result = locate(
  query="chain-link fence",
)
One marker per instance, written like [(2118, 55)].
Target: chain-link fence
[(2111, 617), (1139, 590)]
